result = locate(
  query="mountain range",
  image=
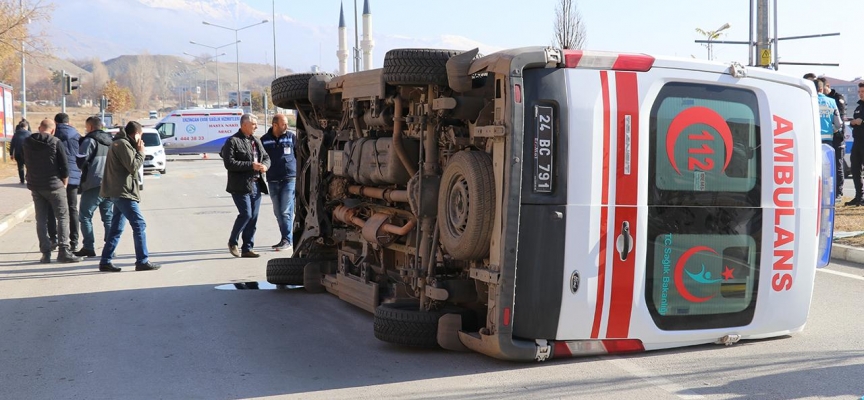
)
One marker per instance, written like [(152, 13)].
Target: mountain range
[(83, 29)]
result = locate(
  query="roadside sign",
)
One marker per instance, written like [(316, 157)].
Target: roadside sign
[(765, 57)]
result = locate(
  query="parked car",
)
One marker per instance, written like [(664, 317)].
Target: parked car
[(154, 153)]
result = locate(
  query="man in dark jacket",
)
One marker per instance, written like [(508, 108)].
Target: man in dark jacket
[(22, 132), (857, 156), (70, 137), (120, 184), (47, 177), (279, 144), (245, 159), (92, 154)]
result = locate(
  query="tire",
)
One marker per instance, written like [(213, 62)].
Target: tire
[(162, 172), (286, 271), (466, 205), (403, 323), (312, 277), (293, 88), (417, 66)]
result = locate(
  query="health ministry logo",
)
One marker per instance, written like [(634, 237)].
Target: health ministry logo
[(703, 277)]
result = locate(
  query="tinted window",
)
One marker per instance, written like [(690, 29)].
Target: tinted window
[(150, 139), (705, 142), (704, 215)]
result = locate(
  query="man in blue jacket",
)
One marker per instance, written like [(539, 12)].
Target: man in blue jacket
[(70, 138), (279, 144)]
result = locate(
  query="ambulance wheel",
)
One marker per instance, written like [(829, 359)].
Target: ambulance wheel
[(403, 323), (417, 66), (286, 271), (466, 205), (293, 88)]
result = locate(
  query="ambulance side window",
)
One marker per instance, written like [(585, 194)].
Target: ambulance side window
[(165, 130), (705, 146), (704, 207)]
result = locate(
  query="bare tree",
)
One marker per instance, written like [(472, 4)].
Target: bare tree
[(97, 80), (570, 31), (141, 75), (15, 36)]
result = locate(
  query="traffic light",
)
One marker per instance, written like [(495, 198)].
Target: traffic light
[(69, 84)]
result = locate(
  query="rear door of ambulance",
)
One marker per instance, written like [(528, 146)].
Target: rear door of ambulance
[(665, 222)]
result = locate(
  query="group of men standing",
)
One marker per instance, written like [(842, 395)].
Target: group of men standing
[(60, 164), (248, 160), (832, 114)]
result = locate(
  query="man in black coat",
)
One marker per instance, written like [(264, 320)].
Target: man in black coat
[(22, 132), (47, 178), (246, 161)]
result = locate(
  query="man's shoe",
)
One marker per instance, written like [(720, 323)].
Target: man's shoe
[(108, 268), (85, 253), (283, 245), (250, 254), (148, 266), (46, 258), (234, 250), (854, 202), (65, 256)]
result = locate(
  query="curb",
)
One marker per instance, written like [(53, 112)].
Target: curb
[(16, 218), (847, 253)]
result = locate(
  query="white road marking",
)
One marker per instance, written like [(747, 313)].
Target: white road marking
[(828, 271), (663, 383)]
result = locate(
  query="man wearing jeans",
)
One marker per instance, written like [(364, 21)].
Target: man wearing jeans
[(279, 144), (47, 178), (120, 184), (92, 154), (245, 159), (70, 138)]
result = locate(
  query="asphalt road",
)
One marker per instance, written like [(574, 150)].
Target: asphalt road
[(70, 332)]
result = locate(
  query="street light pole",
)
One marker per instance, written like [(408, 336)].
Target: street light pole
[(203, 63), (713, 35), (216, 59), (237, 43)]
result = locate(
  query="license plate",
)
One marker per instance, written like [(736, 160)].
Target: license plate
[(543, 141)]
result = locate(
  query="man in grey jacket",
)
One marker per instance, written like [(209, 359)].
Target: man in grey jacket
[(92, 153), (47, 179)]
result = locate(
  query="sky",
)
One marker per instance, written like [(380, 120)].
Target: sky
[(306, 30)]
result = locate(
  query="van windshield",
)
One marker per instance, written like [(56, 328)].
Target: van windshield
[(150, 139)]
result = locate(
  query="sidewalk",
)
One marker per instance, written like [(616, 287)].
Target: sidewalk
[(16, 205)]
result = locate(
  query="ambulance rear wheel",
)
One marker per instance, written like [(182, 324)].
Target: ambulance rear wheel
[(291, 89)]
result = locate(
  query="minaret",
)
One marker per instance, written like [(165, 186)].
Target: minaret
[(342, 53), (367, 43)]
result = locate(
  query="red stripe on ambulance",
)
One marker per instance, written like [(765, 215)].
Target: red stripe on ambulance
[(604, 209), (626, 194)]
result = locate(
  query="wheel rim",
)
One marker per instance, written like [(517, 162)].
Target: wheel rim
[(458, 203)]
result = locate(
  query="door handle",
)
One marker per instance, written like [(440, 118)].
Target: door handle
[(624, 242)]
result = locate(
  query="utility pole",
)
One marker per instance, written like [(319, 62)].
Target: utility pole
[(63, 91), (23, 75), (763, 43)]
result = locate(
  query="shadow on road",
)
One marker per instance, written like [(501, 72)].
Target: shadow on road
[(199, 342)]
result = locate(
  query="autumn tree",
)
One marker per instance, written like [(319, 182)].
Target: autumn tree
[(570, 31), (15, 15), (120, 97)]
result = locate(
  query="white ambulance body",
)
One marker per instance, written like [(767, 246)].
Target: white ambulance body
[(715, 178), (198, 130), (639, 203)]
